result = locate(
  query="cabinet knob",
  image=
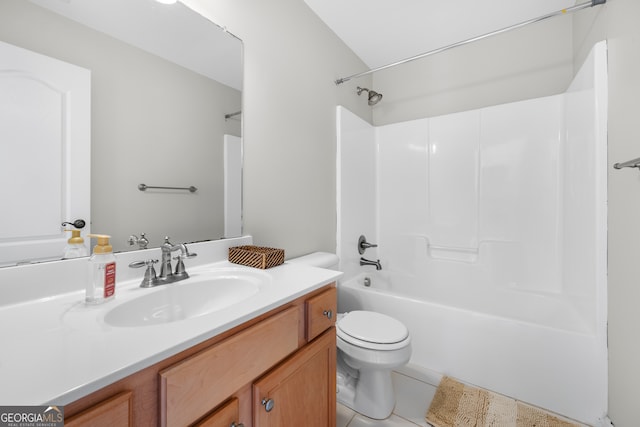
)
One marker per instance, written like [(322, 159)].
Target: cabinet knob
[(233, 424), (268, 404), (328, 313)]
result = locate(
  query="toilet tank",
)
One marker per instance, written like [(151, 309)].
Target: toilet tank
[(318, 259)]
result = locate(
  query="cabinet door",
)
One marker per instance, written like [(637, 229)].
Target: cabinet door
[(302, 390)]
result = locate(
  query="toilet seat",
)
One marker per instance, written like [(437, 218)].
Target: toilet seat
[(371, 330)]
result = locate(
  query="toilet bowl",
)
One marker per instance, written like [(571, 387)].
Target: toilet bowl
[(370, 345)]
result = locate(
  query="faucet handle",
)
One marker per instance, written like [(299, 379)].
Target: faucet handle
[(150, 279), (364, 245), (147, 262), (141, 241), (180, 270)]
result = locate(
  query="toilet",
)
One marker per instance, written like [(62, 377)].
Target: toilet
[(370, 345)]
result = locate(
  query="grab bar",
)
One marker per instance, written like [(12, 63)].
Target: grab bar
[(144, 187), (635, 163)]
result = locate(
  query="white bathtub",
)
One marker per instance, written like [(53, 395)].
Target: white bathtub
[(533, 348)]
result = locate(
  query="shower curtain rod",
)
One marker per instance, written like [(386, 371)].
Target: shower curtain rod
[(474, 39)]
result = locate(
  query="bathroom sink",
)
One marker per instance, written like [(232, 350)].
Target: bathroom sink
[(196, 296)]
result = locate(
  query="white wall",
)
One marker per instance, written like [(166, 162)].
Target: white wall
[(289, 98), (617, 21), (530, 62)]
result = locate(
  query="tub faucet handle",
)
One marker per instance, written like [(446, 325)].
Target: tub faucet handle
[(364, 245)]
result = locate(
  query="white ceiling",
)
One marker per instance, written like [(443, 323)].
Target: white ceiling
[(381, 32), (173, 32)]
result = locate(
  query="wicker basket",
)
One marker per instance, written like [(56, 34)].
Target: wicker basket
[(256, 256)]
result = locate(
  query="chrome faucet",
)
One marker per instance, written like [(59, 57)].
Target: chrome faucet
[(141, 241), (150, 279), (166, 273), (376, 263)]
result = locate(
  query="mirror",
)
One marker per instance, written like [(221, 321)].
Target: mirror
[(165, 112)]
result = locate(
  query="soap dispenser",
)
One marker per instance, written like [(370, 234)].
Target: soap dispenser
[(75, 246), (102, 271)]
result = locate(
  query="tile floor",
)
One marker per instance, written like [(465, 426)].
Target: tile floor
[(413, 397), (349, 418), (414, 392)]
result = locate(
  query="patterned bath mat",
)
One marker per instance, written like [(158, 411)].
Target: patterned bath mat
[(459, 405)]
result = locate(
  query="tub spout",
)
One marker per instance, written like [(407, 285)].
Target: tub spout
[(364, 261)]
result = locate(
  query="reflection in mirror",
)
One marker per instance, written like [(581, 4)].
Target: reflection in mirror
[(165, 84)]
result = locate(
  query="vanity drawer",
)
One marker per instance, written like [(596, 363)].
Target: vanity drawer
[(226, 416), (321, 312), (114, 411), (191, 388)]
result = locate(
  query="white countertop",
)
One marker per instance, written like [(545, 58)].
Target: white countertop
[(55, 350)]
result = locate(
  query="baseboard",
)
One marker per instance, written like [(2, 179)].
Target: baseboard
[(421, 374)]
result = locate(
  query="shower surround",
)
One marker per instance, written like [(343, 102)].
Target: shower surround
[(491, 226)]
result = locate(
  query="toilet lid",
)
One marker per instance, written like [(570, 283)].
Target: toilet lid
[(372, 327)]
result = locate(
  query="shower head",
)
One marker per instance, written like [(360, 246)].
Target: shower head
[(373, 98)]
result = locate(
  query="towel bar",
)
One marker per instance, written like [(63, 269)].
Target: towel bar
[(144, 187), (635, 163)]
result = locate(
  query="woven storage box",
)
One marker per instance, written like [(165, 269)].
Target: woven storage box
[(256, 256)]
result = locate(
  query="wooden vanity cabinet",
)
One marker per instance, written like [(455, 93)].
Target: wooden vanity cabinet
[(287, 355), (302, 390), (190, 387)]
